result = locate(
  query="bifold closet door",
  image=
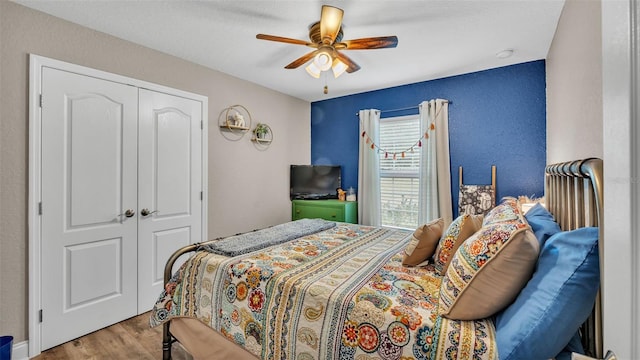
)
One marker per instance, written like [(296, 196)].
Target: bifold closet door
[(169, 185), (89, 204)]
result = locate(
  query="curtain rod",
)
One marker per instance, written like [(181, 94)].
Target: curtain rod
[(401, 109)]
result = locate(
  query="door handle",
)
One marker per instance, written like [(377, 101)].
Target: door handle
[(146, 212), (610, 355), (128, 213)]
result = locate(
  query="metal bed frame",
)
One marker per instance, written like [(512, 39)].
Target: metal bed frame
[(574, 194), (167, 338)]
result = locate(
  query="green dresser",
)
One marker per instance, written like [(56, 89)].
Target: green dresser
[(335, 210)]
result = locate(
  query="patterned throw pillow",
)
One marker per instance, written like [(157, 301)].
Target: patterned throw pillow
[(508, 210), (490, 268), (423, 243), (459, 230)]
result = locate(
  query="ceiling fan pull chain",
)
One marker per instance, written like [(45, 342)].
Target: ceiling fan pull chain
[(326, 88)]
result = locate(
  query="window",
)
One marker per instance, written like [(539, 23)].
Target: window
[(399, 176)]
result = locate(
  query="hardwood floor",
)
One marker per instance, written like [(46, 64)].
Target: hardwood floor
[(130, 339)]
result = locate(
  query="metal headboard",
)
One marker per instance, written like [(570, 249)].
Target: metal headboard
[(574, 195)]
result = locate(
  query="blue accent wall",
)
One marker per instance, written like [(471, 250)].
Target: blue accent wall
[(496, 117)]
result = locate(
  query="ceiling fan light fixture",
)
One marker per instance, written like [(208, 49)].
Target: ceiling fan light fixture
[(338, 67), (326, 38), (330, 23), (323, 60), (313, 70)]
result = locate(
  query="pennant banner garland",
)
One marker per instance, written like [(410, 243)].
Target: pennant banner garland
[(402, 153)]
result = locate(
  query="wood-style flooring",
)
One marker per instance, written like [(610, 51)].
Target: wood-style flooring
[(130, 339)]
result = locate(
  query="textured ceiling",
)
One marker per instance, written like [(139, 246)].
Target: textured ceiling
[(435, 38)]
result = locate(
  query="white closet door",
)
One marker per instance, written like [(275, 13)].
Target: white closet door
[(89, 181), (170, 185)]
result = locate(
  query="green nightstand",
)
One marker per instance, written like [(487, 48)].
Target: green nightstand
[(335, 210)]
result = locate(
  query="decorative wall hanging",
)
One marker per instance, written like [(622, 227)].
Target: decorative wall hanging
[(401, 153)]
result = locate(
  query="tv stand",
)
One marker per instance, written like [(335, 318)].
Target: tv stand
[(334, 210)]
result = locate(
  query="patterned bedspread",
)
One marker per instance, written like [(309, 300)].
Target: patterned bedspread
[(338, 294)]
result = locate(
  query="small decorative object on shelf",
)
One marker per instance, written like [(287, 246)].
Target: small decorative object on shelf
[(262, 134), (235, 119), (351, 194)]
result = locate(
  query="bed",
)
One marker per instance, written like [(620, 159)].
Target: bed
[(505, 285)]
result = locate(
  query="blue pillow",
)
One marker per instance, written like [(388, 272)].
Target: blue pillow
[(574, 346), (542, 223), (555, 302)]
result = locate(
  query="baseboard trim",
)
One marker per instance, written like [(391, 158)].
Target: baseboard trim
[(20, 351)]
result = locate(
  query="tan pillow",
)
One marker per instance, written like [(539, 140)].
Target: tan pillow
[(488, 271), (459, 231), (423, 243)]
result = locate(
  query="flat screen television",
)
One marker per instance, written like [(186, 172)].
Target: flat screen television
[(315, 182)]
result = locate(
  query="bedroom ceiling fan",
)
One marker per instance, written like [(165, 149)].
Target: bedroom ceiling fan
[(326, 38)]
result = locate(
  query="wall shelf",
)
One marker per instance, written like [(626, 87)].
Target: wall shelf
[(234, 121), (262, 135), (234, 127)]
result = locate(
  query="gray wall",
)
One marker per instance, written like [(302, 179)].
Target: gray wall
[(248, 188), (574, 84)]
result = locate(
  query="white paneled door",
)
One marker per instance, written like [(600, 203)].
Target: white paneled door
[(170, 183), (121, 190), (89, 203)]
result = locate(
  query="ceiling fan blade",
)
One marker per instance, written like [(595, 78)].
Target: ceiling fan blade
[(330, 22), (351, 65), (285, 40), (301, 60), (369, 43)]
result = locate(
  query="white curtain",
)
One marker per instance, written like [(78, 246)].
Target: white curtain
[(435, 173), (369, 169)]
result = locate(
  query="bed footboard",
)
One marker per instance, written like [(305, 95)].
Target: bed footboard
[(167, 338)]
